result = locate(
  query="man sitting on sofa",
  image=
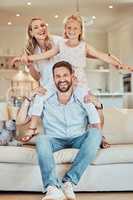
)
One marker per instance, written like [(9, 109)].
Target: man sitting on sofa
[(66, 122)]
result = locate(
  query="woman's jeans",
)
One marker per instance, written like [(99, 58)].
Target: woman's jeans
[(88, 145)]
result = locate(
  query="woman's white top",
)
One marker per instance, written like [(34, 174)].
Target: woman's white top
[(45, 66)]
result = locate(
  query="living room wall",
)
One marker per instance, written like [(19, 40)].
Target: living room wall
[(120, 41), (120, 44), (13, 39)]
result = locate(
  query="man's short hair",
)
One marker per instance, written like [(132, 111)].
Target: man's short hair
[(65, 64)]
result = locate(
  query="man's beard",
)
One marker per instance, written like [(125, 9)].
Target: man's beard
[(64, 88)]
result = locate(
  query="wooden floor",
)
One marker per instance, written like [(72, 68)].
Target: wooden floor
[(80, 196)]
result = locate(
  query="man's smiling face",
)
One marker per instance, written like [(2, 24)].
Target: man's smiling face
[(63, 79)]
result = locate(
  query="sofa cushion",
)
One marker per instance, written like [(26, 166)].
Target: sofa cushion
[(118, 127), (115, 154), (27, 155), (13, 154)]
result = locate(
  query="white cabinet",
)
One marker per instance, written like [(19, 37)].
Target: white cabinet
[(116, 80), (110, 100), (105, 80), (98, 80)]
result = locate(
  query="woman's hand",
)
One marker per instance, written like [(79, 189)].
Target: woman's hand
[(15, 60), (104, 143), (38, 91)]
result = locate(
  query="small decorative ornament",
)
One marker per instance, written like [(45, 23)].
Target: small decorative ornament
[(8, 133)]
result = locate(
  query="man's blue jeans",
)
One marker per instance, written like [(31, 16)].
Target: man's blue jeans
[(88, 144)]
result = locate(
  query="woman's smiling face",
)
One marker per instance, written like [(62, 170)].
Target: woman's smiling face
[(39, 30)]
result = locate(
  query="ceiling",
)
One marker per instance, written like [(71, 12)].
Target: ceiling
[(105, 17)]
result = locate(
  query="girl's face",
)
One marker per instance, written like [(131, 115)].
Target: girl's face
[(39, 30), (73, 29)]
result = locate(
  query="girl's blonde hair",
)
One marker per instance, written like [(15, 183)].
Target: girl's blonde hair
[(77, 18), (32, 42)]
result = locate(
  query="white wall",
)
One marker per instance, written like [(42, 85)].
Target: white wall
[(120, 43), (96, 81), (12, 40), (98, 39)]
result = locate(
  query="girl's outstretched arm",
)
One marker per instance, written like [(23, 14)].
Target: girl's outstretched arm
[(48, 54), (110, 59), (128, 67)]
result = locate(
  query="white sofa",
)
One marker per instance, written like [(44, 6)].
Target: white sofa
[(112, 170)]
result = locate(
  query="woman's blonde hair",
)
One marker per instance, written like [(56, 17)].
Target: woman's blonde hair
[(32, 42), (77, 18)]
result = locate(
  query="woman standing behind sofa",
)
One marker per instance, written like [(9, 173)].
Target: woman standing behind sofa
[(39, 41)]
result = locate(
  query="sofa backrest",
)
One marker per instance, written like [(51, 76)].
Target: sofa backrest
[(118, 127)]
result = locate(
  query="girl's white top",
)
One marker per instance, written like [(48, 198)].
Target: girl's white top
[(76, 56)]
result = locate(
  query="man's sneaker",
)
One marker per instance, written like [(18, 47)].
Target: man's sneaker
[(68, 191), (53, 193)]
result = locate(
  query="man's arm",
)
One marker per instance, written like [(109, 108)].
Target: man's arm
[(93, 115), (97, 125), (95, 120), (91, 98), (99, 108)]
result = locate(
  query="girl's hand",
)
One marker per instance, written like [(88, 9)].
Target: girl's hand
[(25, 59), (31, 58), (127, 67), (90, 98), (119, 64), (75, 82)]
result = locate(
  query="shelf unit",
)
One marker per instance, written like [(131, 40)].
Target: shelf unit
[(105, 80), (98, 70)]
